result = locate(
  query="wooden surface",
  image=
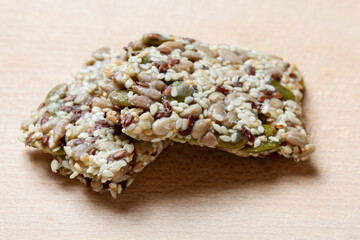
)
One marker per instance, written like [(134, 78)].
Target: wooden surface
[(189, 193)]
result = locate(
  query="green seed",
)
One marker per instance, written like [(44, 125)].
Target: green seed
[(155, 39), (145, 60), (192, 140), (263, 147), (120, 98), (38, 145), (269, 130), (238, 144), (286, 93), (56, 93), (54, 96), (183, 90), (57, 153)]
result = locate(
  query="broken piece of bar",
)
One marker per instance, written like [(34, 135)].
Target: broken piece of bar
[(241, 101), (80, 129)]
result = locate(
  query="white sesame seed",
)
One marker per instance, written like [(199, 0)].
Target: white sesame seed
[(77, 167), (189, 99), (54, 165), (178, 109), (74, 175), (273, 139), (174, 103), (217, 127), (129, 148), (224, 130), (225, 138), (234, 137), (204, 103), (265, 108), (174, 92), (178, 123), (153, 109), (107, 173), (83, 135), (218, 117), (257, 143), (261, 129)]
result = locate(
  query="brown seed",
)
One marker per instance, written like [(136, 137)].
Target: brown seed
[(156, 64), (154, 36), (79, 141), (165, 50), (163, 68), (222, 89), (276, 76), (255, 106), (238, 84), (76, 109), (191, 121), (250, 70), (263, 98), (290, 124), (167, 111), (45, 139), (109, 159), (41, 106), (90, 100), (173, 62), (143, 84), (93, 140), (185, 132), (276, 95), (266, 92), (69, 98), (167, 106), (66, 109), (248, 135), (45, 118), (93, 151), (167, 91), (119, 154), (75, 117), (159, 115), (293, 75), (129, 118), (28, 139), (104, 123)]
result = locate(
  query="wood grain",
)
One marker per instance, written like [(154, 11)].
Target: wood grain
[(189, 193)]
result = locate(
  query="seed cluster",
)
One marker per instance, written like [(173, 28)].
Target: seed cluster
[(173, 84), (80, 129), (113, 117)]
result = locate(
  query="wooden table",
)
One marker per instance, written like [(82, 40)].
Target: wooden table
[(189, 192)]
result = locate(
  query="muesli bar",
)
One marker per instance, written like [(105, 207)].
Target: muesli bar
[(242, 101), (80, 129)]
